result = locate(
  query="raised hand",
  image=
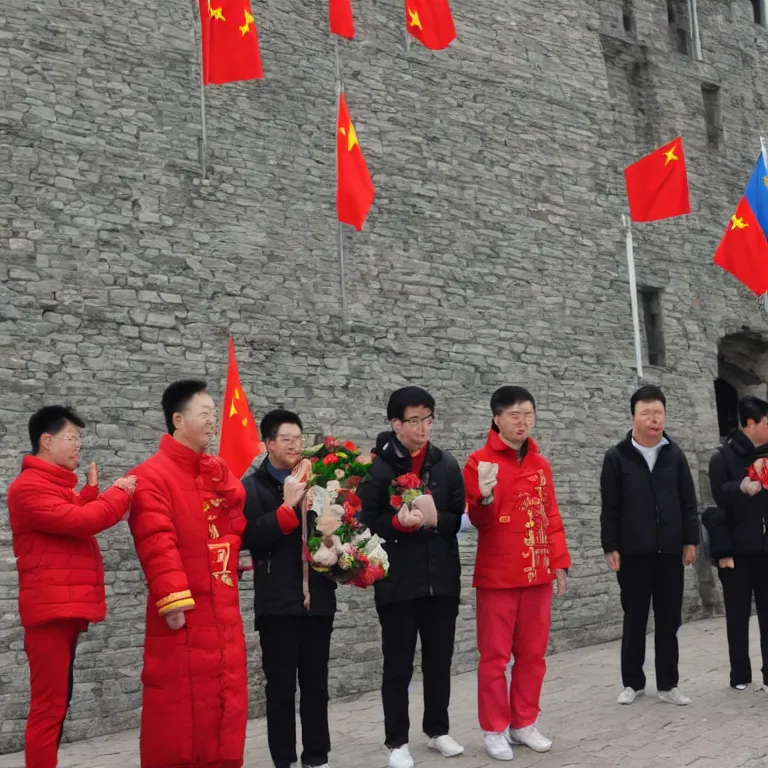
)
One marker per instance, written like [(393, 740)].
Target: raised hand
[(487, 477), (293, 491), (92, 476)]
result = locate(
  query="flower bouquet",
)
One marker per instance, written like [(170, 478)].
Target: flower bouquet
[(338, 543), (758, 471)]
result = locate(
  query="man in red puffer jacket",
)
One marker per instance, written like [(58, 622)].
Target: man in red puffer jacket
[(61, 575), (521, 550)]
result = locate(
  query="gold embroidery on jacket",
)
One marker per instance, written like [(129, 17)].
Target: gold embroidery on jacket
[(220, 556), (535, 540)]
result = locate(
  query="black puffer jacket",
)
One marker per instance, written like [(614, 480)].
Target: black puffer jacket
[(277, 557), (738, 525), (646, 512), (425, 562)]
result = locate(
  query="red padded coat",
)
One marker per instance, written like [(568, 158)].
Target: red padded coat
[(61, 574), (187, 520), (520, 540)]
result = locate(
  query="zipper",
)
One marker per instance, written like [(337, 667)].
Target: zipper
[(269, 566)]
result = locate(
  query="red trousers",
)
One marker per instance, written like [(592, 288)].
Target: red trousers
[(511, 622), (50, 649)]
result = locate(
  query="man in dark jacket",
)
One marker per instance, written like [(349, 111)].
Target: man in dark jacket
[(293, 638), (420, 596), (649, 529), (737, 535)]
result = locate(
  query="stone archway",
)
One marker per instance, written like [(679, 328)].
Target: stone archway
[(742, 369)]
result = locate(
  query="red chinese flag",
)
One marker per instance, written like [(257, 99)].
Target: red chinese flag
[(342, 23), (239, 444), (230, 42), (743, 251), (354, 188), (657, 185), (430, 22)]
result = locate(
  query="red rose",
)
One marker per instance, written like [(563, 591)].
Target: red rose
[(354, 501), (353, 481), (331, 458), (350, 446), (330, 442), (314, 460), (396, 501)]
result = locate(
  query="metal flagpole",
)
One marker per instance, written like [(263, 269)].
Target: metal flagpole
[(693, 16), (764, 150), (633, 296), (340, 225), (203, 142)]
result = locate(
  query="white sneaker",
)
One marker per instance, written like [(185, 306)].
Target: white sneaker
[(400, 757), (628, 695), (531, 738), (675, 696), (446, 745), (497, 746)]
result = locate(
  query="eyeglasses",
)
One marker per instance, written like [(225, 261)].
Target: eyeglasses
[(71, 439), (415, 422), (516, 418), (288, 440)]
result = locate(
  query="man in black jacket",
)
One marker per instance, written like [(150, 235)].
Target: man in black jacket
[(420, 596), (738, 542), (649, 529), (294, 639)]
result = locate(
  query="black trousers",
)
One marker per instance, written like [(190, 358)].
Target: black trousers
[(291, 646), (644, 579), (748, 577), (433, 619)]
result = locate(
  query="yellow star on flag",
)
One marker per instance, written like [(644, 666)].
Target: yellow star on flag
[(351, 137), (248, 21), (738, 222), (216, 13), (415, 21), (232, 408), (670, 156)]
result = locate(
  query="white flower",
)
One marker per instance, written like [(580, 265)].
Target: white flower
[(320, 499), (333, 488), (359, 538), (339, 474)]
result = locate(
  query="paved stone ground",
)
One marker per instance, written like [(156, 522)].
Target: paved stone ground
[(721, 728)]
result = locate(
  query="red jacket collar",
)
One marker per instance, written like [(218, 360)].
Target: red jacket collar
[(179, 454), (59, 475), (495, 443)]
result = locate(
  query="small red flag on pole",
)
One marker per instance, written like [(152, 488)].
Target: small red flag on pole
[(430, 22), (657, 184), (354, 187), (342, 22), (230, 42), (239, 444)]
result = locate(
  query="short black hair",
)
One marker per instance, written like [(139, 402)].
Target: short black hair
[(51, 420), (648, 393), (177, 396), (408, 397), (751, 407), (272, 422), (505, 397)]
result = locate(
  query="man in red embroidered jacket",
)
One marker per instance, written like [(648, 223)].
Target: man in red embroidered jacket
[(187, 521), (521, 550), (61, 575)]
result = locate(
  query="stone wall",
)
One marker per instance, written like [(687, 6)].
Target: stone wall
[(493, 254)]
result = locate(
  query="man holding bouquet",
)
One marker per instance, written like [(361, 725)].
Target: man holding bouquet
[(294, 604), (521, 551), (738, 541), (414, 500)]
